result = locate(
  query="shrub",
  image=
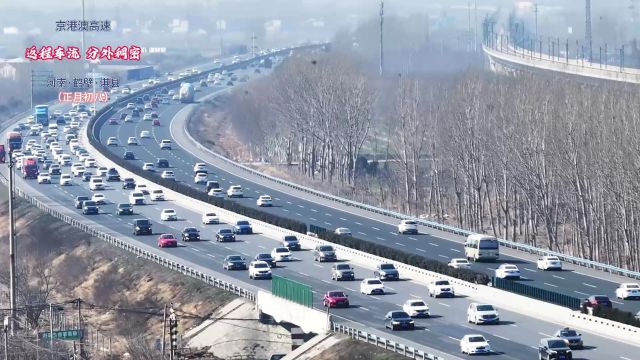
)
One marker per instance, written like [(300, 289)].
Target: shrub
[(618, 315)]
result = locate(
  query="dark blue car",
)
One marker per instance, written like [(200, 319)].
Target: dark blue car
[(242, 227)]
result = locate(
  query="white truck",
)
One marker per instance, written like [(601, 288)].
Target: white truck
[(186, 93)]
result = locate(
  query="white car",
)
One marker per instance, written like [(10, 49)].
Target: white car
[(416, 308), (549, 263), (264, 200), (628, 291), (132, 140), (165, 145), (130, 105), (371, 287), (200, 178), (281, 254), (148, 167), (168, 175), (90, 163), (168, 215), (210, 218), (342, 231), (441, 287), (145, 134), (408, 227), (95, 183), (128, 118), (482, 314), (157, 195), (44, 178), (508, 271), (65, 180), (78, 170), (234, 191), (216, 193), (136, 198), (102, 171), (200, 167), (146, 117), (474, 344), (112, 141), (99, 198), (459, 263), (259, 270)]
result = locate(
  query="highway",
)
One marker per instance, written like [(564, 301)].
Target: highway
[(300, 206), (515, 338)]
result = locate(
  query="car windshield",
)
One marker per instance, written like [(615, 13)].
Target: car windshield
[(191, 230), (290, 238), (167, 236), (410, 223), (122, 206), (387, 267), (476, 339), (374, 282), (260, 266), (326, 248), (243, 223), (602, 299), (225, 231), (142, 222), (417, 303), (399, 314), (343, 267), (484, 308), (336, 294), (442, 282), (263, 256), (210, 214), (282, 250), (633, 286), (555, 344), (552, 258), (568, 333), (89, 203), (157, 191), (235, 258)]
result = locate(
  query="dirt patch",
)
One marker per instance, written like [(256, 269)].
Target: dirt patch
[(349, 349)]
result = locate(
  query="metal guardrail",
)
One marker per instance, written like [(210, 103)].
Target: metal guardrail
[(537, 293), (383, 343), (430, 224), (113, 240)]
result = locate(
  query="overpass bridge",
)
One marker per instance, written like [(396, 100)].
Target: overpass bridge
[(513, 60)]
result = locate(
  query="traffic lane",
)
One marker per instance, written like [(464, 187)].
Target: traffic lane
[(375, 306)]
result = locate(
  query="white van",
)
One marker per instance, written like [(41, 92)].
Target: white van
[(480, 247), (95, 183)]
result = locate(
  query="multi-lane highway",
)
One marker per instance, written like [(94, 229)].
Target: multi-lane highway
[(515, 338), (296, 205)]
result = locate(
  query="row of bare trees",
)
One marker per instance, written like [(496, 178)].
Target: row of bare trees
[(545, 161)]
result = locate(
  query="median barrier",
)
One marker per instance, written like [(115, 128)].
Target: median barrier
[(282, 310)]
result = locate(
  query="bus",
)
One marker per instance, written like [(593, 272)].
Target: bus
[(480, 247), (14, 140), (41, 114)]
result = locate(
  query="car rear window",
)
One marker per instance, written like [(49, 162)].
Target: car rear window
[(142, 222)]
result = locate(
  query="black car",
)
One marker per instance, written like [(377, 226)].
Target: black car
[(55, 169), (80, 200), (124, 209), (234, 262), (266, 258), (142, 227), (554, 348), (47, 164), (225, 235), (128, 183), (135, 113), (212, 185), (144, 99), (123, 115), (113, 175), (89, 207), (162, 163), (190, 234), (140, 100), (291, 242), (229, 83), (398, 319), (128, 155), (86, 176)]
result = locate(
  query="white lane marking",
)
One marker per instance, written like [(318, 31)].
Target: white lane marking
[(228, 248), (326, 282), (301, 206), (194, 249), (343, 219), (363, 308), (314, 210), (545, 335), (392, 233), (392, 289), (555, 286), (379, 238), (357, 223), (400, 244), (298, 214), (415, 296), (443, 304), (452, 338), (412, 238), (514, 325), (261, 247), (375, 228), (531, 270), (421, 250), (316, 265), (210, 255), (617, 302), (455, 250), (501, 337), (285, 210), (328, 223), (624, 358), (533, 347), (374, 297), (350, 289), (277, 199), (443, 256), (361, 233), (303, 274), (589, 285), (432, 244), (558, 277), (289, 202)]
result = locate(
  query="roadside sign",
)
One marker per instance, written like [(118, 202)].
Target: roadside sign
[(61, 335)]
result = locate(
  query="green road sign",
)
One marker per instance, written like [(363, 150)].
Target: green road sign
[(61, 335)]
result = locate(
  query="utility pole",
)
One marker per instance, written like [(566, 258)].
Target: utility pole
[(469, 34), (253, 45), (381, 37), (173, 333), (6, 338), (475, 25), (83, 50), (535, 10), (81, 341), (12, 247), (587, 32), (51, 330), (164, 330)]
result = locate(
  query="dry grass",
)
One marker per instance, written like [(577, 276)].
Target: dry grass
[(349, 349)]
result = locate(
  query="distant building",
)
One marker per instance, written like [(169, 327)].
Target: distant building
[(127, 72), (14, 69)]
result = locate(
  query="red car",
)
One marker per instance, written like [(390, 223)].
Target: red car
[(167, 240), (156, 122), (113, 121), (335, 298)]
